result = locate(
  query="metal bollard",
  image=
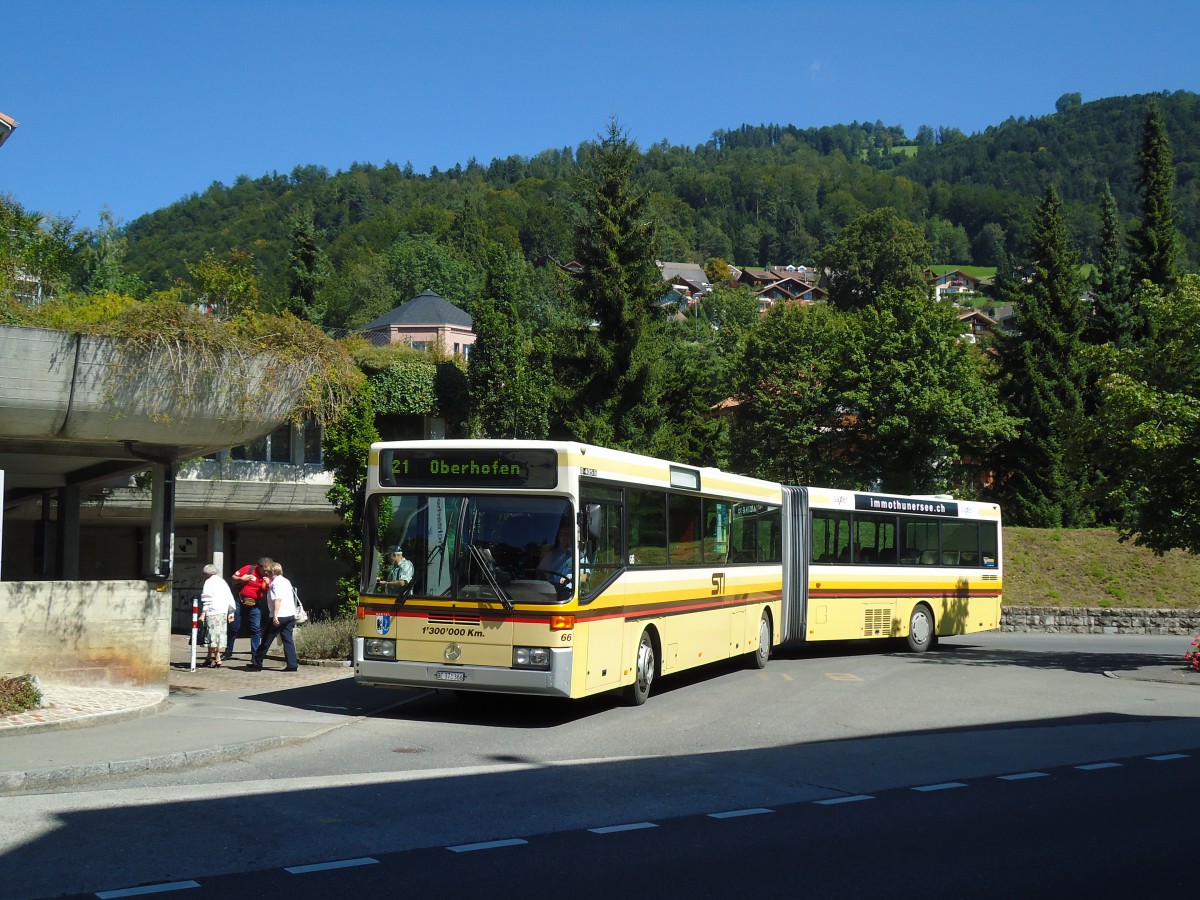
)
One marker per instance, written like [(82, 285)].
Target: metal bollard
[(195, 619)]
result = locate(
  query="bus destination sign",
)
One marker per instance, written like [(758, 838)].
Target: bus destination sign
[(530, 468)]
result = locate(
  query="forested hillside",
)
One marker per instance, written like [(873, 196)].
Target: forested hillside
[(756, 195), (1083, 413)]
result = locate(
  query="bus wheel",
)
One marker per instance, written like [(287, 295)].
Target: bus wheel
[(645, 670), (758, 659), (921, 629)]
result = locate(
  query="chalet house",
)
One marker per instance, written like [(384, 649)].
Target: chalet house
[(806, 274), (425, 322), (771, 295), (757, 278), (688, 279), (980, 324), (951, 285), (789, 290)]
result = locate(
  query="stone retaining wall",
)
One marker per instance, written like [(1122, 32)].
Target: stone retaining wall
[(1100, 620), (87, 633)]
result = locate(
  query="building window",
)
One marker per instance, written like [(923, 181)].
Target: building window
[(314, 434)]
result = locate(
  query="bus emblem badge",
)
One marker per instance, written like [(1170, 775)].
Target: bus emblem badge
[(383, 624), (453, 653)]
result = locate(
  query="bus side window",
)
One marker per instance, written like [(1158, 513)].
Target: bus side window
[(929, 557), (715, 545)]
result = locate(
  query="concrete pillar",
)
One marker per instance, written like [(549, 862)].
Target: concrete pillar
[(68, 532), (216, 543), (160, 541)]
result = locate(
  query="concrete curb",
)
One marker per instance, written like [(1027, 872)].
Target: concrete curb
[(67, 776)]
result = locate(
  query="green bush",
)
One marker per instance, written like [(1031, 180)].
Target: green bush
[(18, 694), (327, 638)]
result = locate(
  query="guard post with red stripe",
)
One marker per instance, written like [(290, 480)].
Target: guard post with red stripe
[(195, 619)]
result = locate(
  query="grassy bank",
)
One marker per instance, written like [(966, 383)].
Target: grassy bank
[(1050, 567)]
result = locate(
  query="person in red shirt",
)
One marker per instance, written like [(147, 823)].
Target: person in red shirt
[(251, 583)]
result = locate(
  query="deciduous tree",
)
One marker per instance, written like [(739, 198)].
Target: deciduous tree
[(875, 254), (1149, 424)]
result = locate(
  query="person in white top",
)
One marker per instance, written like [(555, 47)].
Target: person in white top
[(281, 607), (217, 613)]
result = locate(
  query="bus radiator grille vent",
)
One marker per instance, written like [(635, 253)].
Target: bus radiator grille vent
[(877, 623), (454, 620), (992, 577)]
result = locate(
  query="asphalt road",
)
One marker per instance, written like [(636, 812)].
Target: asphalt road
[(1114, 829), (800, 738)]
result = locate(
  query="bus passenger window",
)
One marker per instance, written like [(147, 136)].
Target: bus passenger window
[(929, 557), (685, 530), (716, 533)]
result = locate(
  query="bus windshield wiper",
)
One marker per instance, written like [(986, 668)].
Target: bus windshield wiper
[(485, 566)]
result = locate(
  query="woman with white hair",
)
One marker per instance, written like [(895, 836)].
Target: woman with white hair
[(281, 604), (218, 613)]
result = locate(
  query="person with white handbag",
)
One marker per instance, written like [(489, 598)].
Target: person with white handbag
[(282, 608)]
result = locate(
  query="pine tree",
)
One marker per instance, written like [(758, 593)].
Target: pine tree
[(1155, 244), (307, 271), (1042, 477), (1114, 317), (615, 365)]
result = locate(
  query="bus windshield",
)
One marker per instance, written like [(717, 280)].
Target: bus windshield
[(479, 547)]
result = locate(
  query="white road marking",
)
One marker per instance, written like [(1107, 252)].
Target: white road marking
[(148, 889), (336, 864), (613, 829), (487, 845), (735, 813)]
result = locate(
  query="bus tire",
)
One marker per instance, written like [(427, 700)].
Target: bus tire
[(922, 630), (758, 659), (645, 669)]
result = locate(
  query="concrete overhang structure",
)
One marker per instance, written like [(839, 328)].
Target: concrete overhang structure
[(77, 412)]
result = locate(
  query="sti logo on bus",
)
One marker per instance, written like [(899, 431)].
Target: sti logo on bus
[(383, 624)]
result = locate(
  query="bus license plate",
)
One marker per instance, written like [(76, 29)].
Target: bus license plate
[(442, 675)]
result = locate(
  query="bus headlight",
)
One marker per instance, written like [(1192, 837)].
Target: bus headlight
[(531, 657), (379, 648)]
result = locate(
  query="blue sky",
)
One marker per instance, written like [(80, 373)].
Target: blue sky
[(134, 104)]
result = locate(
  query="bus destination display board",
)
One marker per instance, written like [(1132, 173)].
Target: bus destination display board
[(454, 468)]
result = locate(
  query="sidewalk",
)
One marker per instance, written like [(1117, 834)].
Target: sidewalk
[(85, 734)]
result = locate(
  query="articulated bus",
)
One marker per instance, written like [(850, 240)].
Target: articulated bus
[(661, 567)]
